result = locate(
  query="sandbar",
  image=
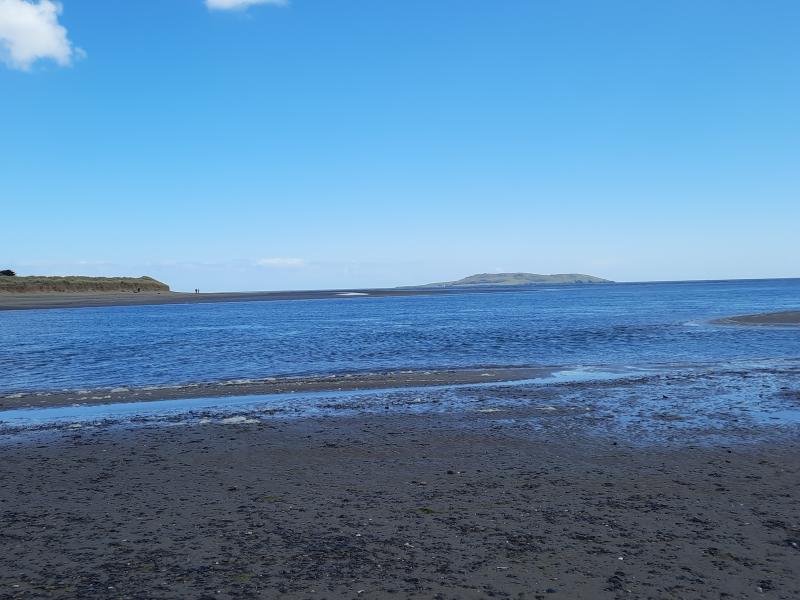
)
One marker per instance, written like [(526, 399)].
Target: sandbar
[(273, 385), (787, 317), (88, 300)]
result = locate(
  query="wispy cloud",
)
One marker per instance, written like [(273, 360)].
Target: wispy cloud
[(282, 263), (241, 4), (30, 31)]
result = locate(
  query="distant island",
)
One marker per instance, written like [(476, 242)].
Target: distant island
[(12, 284), (486, 279)]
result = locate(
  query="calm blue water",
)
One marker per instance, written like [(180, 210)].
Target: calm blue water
[(605, 325)]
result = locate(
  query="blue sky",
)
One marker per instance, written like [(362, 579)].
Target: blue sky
[(344, 143)]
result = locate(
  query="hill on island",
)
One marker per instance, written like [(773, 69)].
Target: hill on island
[(486, 279), (78, 284)]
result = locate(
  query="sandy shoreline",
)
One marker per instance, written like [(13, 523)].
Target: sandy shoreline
[(677, 485), (446, 506), (273, 385)]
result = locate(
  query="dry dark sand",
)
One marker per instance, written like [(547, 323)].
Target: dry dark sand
[(789, 317), (432, 506)]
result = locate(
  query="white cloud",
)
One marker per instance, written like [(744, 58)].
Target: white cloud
[(30, 31), (283, 263), (240, 4)]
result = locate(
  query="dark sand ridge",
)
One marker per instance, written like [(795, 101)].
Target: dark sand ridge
[(788, 317), (432, 506), (85, 300), (277, 385)]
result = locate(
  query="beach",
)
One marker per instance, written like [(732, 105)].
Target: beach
[(428, 506), (575, 443)]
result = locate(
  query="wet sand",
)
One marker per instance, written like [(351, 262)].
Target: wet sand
[(430, 506), (273, 385), (789, 317), (679, 484)]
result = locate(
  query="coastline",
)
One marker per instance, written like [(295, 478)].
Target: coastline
[(459, 506), (675, 479)]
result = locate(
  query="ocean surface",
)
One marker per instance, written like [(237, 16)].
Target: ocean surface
[(573, 326)]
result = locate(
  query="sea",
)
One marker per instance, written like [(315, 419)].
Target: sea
[(601, 325), (641, 361)]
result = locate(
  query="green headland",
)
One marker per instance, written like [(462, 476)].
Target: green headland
[(77, 284)]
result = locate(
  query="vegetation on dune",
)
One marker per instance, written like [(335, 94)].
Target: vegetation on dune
[(35, 284)]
